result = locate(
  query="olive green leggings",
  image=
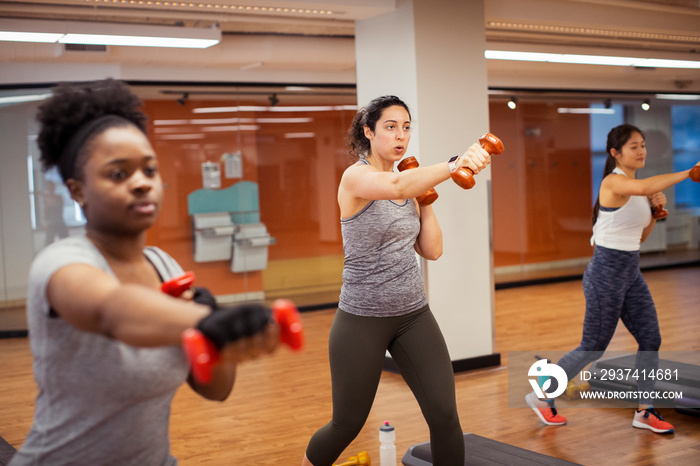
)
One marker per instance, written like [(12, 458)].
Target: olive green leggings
[(357, 347)]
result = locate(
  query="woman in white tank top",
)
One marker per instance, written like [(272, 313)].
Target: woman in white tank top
[(613, 284)]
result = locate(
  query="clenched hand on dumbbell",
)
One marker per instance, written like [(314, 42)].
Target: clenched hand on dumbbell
[(658, 210), (463, 176), (225, 325)]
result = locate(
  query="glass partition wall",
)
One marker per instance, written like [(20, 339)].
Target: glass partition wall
[(546, 182), (273, 157), (289, 147)]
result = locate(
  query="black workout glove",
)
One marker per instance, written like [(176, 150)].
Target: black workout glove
[(229, 324), (204, 296)]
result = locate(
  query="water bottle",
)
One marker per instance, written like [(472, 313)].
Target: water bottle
[(387, 449)]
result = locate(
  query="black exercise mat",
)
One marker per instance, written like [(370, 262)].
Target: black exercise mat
[(6, 452), (481, 451)]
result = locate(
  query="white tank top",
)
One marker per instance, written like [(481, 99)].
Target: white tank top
[(621, 228)]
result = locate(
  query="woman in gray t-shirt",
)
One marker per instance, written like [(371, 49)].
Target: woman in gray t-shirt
[(382, 302), (105, 340)]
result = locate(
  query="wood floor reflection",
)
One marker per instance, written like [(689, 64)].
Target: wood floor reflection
[(281, 400)]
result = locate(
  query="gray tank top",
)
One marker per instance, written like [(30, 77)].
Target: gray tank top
[(381, 275)]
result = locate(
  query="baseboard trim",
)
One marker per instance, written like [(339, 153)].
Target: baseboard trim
[(251, 296), (13, 334), (460, 365)]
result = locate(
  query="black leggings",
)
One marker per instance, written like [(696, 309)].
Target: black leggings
[(357, 348)]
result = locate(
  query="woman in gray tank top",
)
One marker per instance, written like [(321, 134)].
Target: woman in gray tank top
[(383, 305)]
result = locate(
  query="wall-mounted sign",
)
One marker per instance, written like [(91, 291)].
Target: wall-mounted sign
[(233, 164), (211, 175)]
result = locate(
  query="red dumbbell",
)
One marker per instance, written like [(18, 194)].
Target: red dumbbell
[(178, 285), (463, 176), (430, 195), (659, 212), (203, 355), (695, 173)]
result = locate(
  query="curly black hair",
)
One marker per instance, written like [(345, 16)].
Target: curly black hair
[(358, 144), (73, 106)]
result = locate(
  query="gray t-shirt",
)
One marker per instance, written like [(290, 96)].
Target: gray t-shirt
[(381, 275), (100, 401)]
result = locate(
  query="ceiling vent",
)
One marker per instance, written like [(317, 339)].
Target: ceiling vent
[(93, 48)]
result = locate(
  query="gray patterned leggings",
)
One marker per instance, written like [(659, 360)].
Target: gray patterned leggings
[(614, 290), (357, 347)]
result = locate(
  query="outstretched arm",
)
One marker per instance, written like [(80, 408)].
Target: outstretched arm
[(143, 317), (622, 186), (366, 182), (133, 314)]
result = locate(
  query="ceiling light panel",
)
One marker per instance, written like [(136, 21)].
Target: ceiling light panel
[(590, 59), (19, 99), (75, 32)]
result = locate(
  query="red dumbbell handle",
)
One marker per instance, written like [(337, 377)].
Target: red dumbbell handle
[(463, 176), (287, 317), (430, 195), (178, 285), (203, 355), (695, 173), (659, 212)]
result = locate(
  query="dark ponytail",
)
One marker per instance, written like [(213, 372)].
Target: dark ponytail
[(358, 144), (617, 137)]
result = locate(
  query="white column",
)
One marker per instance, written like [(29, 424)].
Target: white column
[(430, 53), (17, 125)]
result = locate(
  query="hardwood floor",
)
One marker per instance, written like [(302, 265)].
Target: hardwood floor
[(280, 401)]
